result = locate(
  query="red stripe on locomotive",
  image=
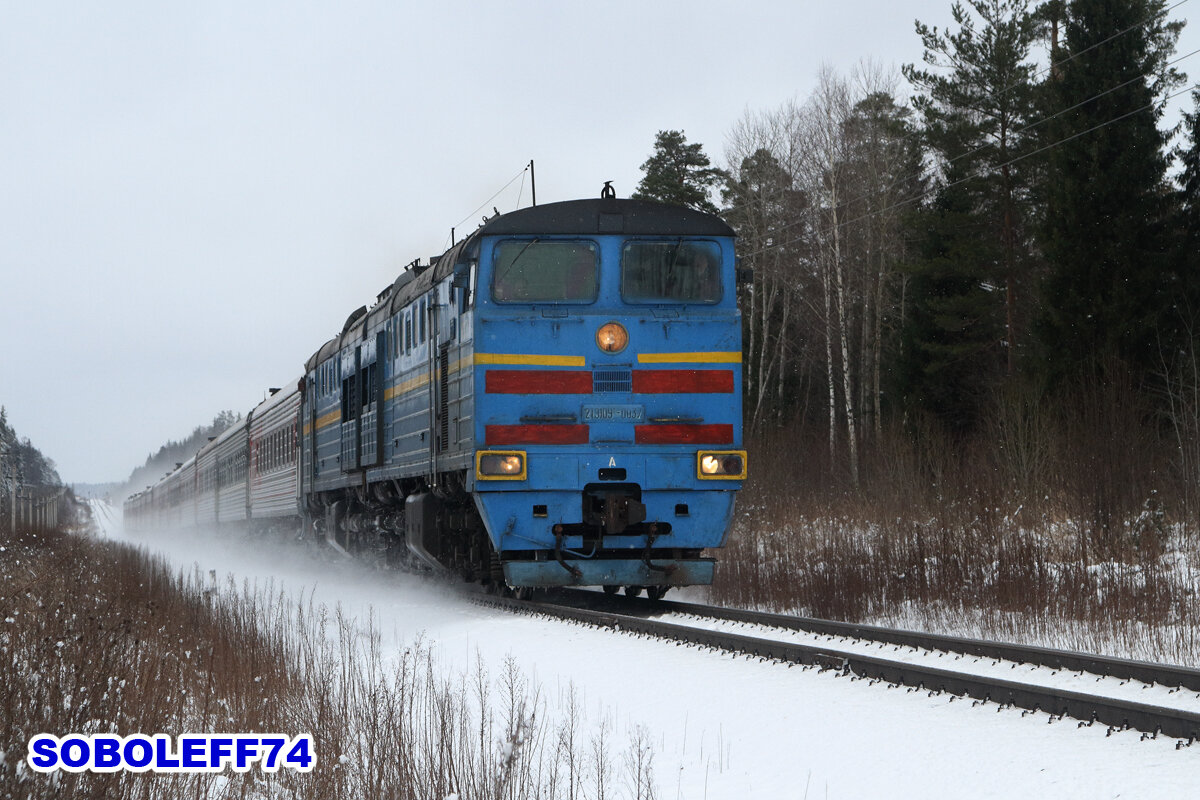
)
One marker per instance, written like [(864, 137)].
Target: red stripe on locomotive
[(536, 434), (537, 381), (682, 381), (683, 434)]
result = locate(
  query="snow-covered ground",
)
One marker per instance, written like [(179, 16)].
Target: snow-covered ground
[(1045, 677), (720, 726)]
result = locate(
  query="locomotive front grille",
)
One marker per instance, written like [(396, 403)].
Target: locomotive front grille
[(612, 379)]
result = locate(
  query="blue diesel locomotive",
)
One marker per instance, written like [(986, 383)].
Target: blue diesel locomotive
[(554, 401)]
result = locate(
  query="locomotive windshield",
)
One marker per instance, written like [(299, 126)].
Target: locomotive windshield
[(535, 271), (672, 272)]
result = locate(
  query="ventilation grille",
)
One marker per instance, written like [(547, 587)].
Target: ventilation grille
[(612, 380)]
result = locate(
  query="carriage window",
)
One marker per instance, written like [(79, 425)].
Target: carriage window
[(672, 272), (535, 271)]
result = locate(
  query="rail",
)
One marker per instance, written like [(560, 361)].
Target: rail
[(634, 616)]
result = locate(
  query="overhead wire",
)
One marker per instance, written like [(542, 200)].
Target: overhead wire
[(1000, 92), (1049, 67), (1010, 162), (1030, 126)]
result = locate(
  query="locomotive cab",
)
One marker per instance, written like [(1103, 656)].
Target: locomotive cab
[(607, 385)]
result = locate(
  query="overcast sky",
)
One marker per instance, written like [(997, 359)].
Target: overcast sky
[(193, 196)]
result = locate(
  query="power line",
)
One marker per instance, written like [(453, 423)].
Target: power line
[(913, 176), (1050, 67), (995, 94), (1080, 104), (1011, 161)]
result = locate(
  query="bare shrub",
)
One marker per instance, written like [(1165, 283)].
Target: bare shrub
[(1055, 519), (1110, 461), (100, 637), (1021, 430)]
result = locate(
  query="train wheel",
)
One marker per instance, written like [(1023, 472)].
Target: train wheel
[(611, 589), (633, 591), (656, 592)]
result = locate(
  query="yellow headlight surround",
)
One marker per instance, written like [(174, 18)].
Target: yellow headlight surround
[(612, 337), (721, 465), (501, 465)]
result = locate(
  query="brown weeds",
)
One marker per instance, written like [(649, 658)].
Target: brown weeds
[(1070, 529), (99, 637)]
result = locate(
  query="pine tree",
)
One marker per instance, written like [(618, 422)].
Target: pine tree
[(1112, 288), (883, 166), (679, 173), (970, 284), (1189, 179), (950, 354)]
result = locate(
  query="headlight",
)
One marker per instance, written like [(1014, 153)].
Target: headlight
[(500, 465), (612, 337), (721, 464)]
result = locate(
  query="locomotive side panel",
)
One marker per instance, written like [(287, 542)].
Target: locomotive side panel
[(323, 428), (407, 394)]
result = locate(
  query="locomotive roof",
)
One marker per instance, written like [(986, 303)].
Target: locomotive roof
[(607, 215)]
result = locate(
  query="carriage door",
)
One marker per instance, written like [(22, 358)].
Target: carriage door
[(435, 388), (307, 424), (444, 328), (351, 409), (370, 391)]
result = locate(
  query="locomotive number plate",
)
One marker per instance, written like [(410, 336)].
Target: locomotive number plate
[(614, 413)]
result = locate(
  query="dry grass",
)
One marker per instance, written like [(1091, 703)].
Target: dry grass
[(1071, 530), (100, 637)]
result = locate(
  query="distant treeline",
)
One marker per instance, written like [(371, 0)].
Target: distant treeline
[(22, 463), (27, 474), (160, 463)]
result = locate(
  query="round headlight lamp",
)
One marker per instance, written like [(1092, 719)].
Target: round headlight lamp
[(612, 337), (721, 465), (500, 465)]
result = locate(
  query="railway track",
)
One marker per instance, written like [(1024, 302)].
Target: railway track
[(1155, 699)]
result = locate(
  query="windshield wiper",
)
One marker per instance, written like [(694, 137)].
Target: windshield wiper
[(517, 258)]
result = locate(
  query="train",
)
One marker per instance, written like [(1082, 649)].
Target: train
[(553, 401)]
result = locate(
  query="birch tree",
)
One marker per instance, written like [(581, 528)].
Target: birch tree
[(765, 207)]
